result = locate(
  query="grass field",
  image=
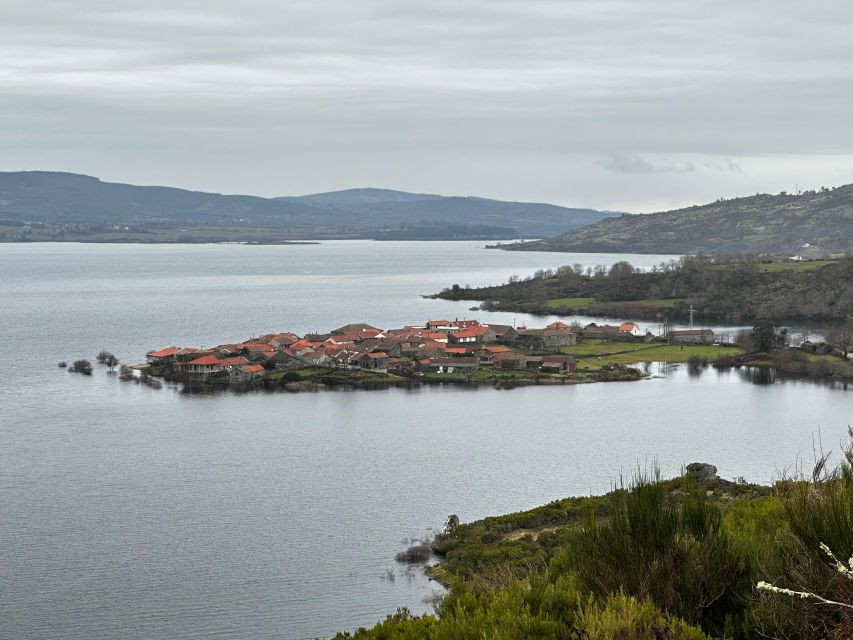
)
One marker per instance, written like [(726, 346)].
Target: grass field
[(445, 377), (597, 354), (795, 266), (503, 374), (310, 372), (814, 357), (570, 303)]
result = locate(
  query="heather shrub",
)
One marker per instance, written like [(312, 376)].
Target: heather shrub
[(677, 555)]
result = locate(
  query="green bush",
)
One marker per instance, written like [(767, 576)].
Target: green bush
[(675, 560), (625, 618), (534, 609), (676, 555), (819, 511)]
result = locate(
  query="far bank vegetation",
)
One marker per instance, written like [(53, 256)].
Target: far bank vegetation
[(720, 290)]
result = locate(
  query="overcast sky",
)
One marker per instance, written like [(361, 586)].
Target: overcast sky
[(635, 105)]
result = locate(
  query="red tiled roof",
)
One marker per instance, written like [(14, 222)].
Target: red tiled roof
[(302, 344), (285, 334), (471, 332), (253, 345), (433, 335), (465, 324), (627, 326), (252, 368), (206, 361), (163, 353), (509, 355), (497, 348)]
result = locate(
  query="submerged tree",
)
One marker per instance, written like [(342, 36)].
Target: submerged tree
[(81, 366), (107, 358)]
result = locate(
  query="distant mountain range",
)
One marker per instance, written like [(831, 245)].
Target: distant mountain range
[(40, 205), (755, 224)]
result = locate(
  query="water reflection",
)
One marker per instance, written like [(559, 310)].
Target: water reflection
[(758, 375), (755, 375)]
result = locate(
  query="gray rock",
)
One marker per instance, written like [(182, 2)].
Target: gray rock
[(703, 470), (450, 524)]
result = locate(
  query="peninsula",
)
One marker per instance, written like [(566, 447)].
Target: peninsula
[(799, 288), (362, 356)]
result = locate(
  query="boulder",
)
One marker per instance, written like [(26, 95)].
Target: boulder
[(702, 470)]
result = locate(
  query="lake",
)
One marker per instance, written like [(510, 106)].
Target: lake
[(135, 513)]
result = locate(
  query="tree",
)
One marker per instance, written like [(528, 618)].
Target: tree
[(109, 359), (841, 337), (763, 335), (81, 366), (743, 339), (622, 269)]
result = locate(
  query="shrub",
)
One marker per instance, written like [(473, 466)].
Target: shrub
[(416, 554), (81, 366), (677, 556), (818, 512), (533, 608), (625, 618), (792, 361)]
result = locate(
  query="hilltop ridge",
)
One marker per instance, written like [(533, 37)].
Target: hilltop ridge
[(762, 223), (44, 205)]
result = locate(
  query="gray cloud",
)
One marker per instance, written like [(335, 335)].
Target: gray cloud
[(634, 163), (515, 99)]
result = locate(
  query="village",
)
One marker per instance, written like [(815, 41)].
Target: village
[(438, 351)]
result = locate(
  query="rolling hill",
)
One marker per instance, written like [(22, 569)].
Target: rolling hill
[(38, 205), (756, 224)]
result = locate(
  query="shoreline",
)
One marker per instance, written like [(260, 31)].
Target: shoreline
[(356, 380)]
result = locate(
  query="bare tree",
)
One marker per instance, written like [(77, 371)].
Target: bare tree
[(841, 337), (107, 358)]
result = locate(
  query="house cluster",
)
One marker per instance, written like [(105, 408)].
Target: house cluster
[(441, 346), (610, 331), (629, 330)]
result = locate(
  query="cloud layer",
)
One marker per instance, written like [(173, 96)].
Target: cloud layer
[(600, 103)]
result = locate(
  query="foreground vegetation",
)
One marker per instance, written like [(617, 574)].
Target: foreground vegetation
[(678, 559), (720, 290)]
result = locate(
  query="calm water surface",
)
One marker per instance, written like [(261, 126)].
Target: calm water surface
[(133, 513)]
